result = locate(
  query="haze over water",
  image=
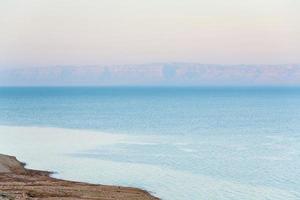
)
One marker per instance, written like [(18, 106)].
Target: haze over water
[(182, 143)]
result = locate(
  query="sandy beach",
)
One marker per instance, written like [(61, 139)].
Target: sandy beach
[(17, 182)]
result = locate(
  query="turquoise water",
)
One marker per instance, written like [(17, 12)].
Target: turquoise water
[(179, 143)]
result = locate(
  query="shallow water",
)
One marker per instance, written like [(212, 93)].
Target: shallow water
[(179, 143)]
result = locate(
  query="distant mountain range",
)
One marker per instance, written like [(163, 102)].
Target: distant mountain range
[(152, 74)]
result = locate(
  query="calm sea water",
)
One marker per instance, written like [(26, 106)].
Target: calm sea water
[(179, 143)]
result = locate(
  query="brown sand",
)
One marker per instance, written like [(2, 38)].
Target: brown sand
[(17, 182)]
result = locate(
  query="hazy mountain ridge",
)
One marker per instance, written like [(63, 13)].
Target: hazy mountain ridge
[(153, 74)]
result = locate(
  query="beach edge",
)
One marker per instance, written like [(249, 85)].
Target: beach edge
[(18, 182)]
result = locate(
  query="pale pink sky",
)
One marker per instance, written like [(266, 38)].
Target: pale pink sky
[(80, 32)]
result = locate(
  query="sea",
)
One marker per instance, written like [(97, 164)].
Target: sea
[(179, 143)]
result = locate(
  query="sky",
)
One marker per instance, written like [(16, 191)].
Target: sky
[(97, 32)]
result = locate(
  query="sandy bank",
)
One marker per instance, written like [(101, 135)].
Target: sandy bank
[(17, 182)]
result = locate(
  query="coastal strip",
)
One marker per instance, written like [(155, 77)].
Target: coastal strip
[(17, 182)]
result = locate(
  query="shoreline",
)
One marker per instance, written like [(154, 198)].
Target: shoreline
[(18, 182)]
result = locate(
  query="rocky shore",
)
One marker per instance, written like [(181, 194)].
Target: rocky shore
[(17, 182)]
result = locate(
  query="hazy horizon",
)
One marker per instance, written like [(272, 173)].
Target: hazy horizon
[(140, 42), (155, 74)]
